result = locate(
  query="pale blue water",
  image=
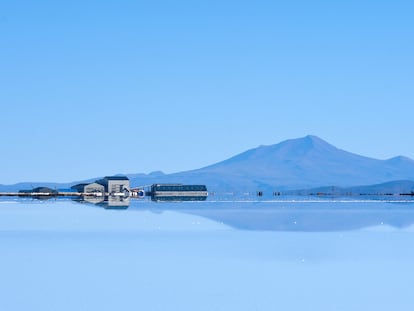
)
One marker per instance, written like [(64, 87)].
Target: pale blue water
[(62, 255)]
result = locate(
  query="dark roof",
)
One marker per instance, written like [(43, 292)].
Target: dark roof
[(104, 181), (116, 178)]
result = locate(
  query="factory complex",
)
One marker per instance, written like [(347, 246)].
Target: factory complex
[(116, 192)]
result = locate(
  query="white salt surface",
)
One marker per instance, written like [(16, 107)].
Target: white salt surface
[(69, 256)]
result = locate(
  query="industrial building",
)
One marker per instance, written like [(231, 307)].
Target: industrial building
[(115, 185), (109, 185), (178, 192)]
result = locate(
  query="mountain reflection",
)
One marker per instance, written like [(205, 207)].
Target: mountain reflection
[(301, 216), (323, 216)]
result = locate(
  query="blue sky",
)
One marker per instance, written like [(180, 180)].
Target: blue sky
[(92, 88)]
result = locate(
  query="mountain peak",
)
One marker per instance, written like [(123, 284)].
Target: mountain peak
[(312, 140), (299, 147), (400, 160), (305, 162)]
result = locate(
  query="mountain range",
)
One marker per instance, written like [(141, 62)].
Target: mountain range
[(302, 163)]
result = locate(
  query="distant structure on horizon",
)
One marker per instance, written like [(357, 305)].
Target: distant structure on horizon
[(114, 184), (178, 192), (111, 185), (119, 187)]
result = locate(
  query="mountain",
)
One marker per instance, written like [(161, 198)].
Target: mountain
[(302, 163)]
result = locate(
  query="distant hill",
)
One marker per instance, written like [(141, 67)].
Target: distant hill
[(392, 187), (302, 163), (31, 185)]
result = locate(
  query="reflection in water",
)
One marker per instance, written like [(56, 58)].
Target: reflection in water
[(323, 216), (108, 202), (192, 264), (92, 199), (116, 202), (298, 216)]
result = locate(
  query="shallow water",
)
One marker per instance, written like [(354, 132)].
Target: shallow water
[(282, 255)]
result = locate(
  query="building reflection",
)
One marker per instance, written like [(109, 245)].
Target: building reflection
[(92, 200), (107, 202), (116, 202)]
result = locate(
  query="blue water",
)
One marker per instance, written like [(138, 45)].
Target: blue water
[(281, 255)]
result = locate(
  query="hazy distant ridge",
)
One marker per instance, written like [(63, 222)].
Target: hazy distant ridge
[(302, 163)]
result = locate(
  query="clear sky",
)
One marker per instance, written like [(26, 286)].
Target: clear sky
[(92, 88)]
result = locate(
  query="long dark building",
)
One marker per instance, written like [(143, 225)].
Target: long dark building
[(178, 192)]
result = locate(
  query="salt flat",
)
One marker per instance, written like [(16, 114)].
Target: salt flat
[(61, 255)]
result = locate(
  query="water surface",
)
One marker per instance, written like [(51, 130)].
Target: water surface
[(285, 255)]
